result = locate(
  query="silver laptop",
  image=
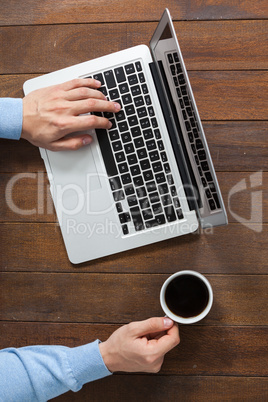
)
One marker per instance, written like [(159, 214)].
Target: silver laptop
[(148, 178)]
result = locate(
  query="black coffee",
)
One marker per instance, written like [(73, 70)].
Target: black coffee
[(186, 296)]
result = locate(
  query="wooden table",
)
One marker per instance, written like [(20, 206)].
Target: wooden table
[(47, 300)]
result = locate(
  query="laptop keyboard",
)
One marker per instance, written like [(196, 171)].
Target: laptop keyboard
[(134, 154), (193, 130)]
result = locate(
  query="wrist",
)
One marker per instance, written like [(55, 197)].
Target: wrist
[(107, 357)]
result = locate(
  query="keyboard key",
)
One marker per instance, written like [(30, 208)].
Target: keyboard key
[(160, 178), (170, 58), (139, 101), (148, 175), (124, 217), (147, 214), (99, 77), (132, 159), (166, 199), (106, 151), (154, 197), (157, 209), (109, 78), (170, 179), (114, 94), (119, 74), (135, 170), (148, 100), (114, 135), (145, 123), (138, 66), (129, 148), (137, 218), (154, 122), (142, 112), (176, 202), (148, 134), (123, 88), (117, 146), (135, 90), (208, 176), (202, 155), (160, 219), (215, 196), (135, 131), (125, 229), (123, 167), (132, 79), (126, 99), (129, 190), (132, 121), (141, 192), (151, 111), (144, 203), (120, 115), (170, 213), (138, 181), (129, 69), (179, 214), (132, 200), (151, 145), (118, 195), (120, 157), (126, 137), (142, 153), (151, 186), (160, 145), (157, 167), (154, 156), (144, 89), (119, 207), (163, 188), (212, 204), (139, 142), (126, 179), (115, 183), (141, 78), (129, 110)]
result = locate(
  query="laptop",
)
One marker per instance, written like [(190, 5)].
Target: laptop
[(150, 177)]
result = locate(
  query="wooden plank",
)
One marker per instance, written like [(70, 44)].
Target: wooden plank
[(203, 350), (170, 388), (31, 12), (220, 95), (205, 45), (120, 298), (235, 249), (26, 197), (233, 146)]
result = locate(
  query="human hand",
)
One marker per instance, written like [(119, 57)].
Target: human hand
[(51, 113), (140, 346)]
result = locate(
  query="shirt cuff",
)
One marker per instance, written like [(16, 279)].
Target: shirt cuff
[(86, 363), (11, 115)]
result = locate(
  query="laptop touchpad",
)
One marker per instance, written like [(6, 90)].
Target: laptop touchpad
[(75, 168)]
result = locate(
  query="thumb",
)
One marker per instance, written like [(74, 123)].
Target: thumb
[(71, 143), (152, 325)]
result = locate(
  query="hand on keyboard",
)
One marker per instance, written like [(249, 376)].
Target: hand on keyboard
[(49, 114)]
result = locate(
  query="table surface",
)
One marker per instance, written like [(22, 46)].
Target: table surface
[(47, 300)]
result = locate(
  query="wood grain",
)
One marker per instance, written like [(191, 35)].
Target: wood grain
[(171, 388), (233, 146), (46, 12), (103, 298), (220, 95), (25, 197), (205, 45), (227, 250), (197, 354)]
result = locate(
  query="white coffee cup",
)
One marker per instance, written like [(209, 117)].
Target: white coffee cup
[(185, 291)]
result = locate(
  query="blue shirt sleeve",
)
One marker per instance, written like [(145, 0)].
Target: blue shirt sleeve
[(39, 373), (11, 118)]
